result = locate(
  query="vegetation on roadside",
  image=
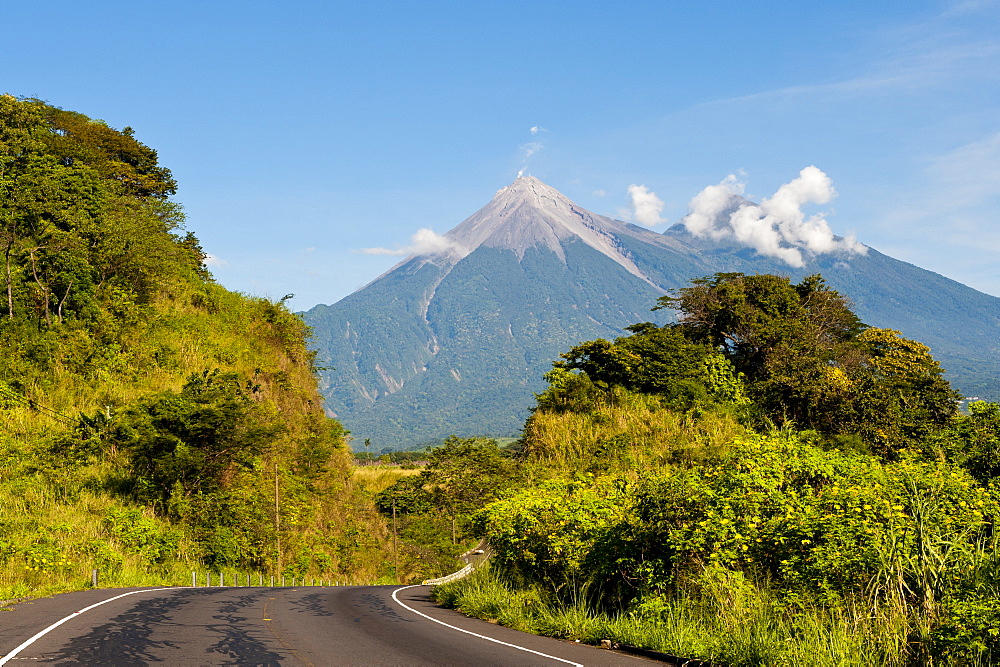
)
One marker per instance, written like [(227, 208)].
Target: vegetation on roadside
[(152, 421), (430, 511), (767, 481), (410, 459)]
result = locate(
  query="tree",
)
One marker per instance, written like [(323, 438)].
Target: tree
[(192, 442), (794, 353), (973, 441), (406, 496), (461, 476), (467, 473), (653, 359), (83, 213), (115, 155), (899, 392), (783, 338)]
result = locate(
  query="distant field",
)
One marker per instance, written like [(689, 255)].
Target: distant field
[(374, 479)]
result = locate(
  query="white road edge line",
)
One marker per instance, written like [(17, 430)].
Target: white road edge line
[(474, 634), (10, 656)]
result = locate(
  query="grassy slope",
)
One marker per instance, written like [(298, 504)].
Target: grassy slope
[(62, 518), (719, 614), (106, 305)]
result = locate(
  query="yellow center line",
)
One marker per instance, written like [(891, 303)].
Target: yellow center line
[(277, 635)]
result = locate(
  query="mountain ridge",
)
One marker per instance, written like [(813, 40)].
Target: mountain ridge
[(456, 341), (528, 212)]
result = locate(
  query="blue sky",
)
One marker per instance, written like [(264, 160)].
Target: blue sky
[(301, 132)]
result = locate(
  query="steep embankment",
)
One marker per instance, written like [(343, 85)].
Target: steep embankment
[(152, 421)]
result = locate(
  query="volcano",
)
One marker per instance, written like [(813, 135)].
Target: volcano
[(456, 341)]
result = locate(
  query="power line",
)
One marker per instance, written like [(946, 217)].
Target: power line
[(8, 393)]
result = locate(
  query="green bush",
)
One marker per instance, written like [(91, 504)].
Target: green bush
[(557, 534), (826, 521), (148, 537), (969, 631)]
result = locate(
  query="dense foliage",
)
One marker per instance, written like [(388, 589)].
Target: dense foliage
[(149, 415), (766, 453), (432, 510), (795, 350), (807, 358)]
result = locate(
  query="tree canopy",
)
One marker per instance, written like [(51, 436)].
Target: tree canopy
[(796, 352), (191, 442), (84, 216)]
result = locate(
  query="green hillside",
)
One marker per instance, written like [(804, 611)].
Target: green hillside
[(448, 344), (148, 414), (467, 365)]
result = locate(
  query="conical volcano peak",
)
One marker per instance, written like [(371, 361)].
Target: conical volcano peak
[(533, 194), (458, 342), (531, 191), (528, 213)]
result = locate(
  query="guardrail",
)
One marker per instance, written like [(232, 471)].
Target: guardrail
[(454, 576), (473, 558), (244, 580), (238, 581)]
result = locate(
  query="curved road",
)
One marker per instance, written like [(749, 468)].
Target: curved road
[(343, 625)]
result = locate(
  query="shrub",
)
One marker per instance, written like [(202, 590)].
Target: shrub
[(826, 521), (558, 534)]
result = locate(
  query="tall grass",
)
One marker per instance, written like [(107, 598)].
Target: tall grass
[(626, 430), (746, 626), (53, 514), (374, 479), (56, 528), (51, 538)]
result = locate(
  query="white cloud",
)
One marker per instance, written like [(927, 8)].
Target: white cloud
[(646, 206), (709, 204), (600, 193), (428, 242), (777, 227), (530, 148), (535, 129), (423, 242)]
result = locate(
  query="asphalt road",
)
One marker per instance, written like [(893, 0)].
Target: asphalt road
[(345, 625)]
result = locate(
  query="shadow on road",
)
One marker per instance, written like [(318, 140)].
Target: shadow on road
[(128, 638)]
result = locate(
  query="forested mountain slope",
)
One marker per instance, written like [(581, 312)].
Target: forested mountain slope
[(146, 411), (457, 341)]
